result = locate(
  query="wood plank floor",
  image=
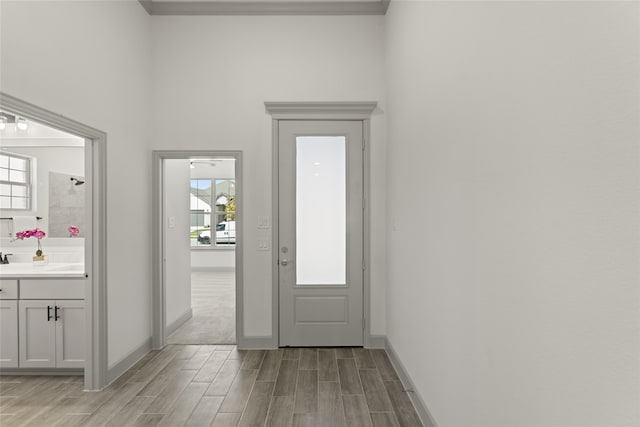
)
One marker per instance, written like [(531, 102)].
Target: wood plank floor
[(213, 301), (218, 385)]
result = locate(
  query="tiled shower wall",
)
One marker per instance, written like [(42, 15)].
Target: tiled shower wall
[(66, 204)]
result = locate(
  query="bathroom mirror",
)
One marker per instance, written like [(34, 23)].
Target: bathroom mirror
[(44, 178)]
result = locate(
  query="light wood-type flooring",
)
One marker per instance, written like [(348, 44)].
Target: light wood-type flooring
[(207, 385), (213, 302)]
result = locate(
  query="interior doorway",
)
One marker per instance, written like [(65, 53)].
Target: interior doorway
[(92, 211), (197, 247), (209, 315)]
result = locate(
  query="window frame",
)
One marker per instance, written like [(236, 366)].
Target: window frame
[(29, 171), (213, 215)]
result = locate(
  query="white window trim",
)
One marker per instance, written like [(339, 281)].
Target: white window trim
[(30, 185)]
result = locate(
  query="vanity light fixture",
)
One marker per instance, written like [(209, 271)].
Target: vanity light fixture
[(21, 123)]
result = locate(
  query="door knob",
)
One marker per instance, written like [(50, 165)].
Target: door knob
[(284, 262)]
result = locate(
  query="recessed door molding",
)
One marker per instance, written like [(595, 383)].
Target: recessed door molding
[(291, 7), (96, 366), (341, 110), (158, 288)]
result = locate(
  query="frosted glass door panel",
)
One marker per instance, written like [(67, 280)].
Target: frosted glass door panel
[(321, 203)]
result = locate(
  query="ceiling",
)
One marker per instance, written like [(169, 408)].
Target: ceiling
[(265, 7), (35, 135)]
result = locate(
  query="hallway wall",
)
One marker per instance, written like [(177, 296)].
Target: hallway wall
[(221, 71), (177, 248), (513, 261), (90, 61)]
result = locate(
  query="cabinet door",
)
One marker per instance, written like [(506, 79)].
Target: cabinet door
[(70, 334), (37, 334), (8, 334)]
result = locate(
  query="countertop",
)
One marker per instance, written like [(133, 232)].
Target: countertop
[(52, 270)]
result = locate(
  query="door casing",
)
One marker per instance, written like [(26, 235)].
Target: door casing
[(158, 289), (323, 111), (96, 371)]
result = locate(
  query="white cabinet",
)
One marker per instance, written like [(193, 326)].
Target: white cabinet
[(42, 323), (8, 289), (51, 333), (8, 333), (70, 334), (8, 323), (37, 334)]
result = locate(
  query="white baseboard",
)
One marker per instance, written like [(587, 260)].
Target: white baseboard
[(178, 322), (128, 361), (375, 341), (256, 343), (416, 399), (214, 269), (41, 371)]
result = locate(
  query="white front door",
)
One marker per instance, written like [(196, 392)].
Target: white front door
[(320, 242)]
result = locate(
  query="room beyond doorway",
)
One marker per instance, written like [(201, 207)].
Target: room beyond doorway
[(199, 297), (212, 241)]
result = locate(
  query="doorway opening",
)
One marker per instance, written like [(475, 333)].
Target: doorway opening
[(315, 310), (197, 247), (211, 212), (54, 175)]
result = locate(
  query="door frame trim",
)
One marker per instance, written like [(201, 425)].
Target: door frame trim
[(320, 111), (96, 365), (158, 288)]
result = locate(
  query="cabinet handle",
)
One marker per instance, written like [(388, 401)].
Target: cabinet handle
[(48, 313), (56, 312)]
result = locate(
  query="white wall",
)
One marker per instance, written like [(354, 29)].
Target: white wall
[(219, 258), (212, 75), (513, 193), (90, 61), (177, 245)]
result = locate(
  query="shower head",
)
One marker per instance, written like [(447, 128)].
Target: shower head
[(78, 182)]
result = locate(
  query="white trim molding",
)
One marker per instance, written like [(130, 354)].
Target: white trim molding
[(418, 403), (256, 343), (128, 361), (266, 7), (159, 329), (341, 110), (376, 341), (171, 328), (320, 110), (95, 370), (214, 269)]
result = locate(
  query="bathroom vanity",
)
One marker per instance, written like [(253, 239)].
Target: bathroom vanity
[(42, 317)]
